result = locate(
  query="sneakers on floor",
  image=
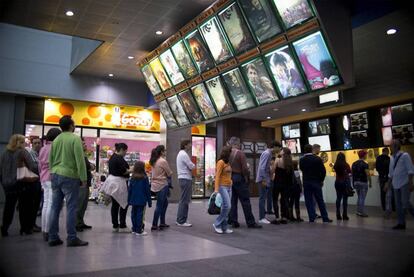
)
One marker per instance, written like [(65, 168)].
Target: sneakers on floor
[(264, 221), (124, 230), (217, 229), (55, 242), (228, 231), (185, 224), (115, 230), (143, 233)]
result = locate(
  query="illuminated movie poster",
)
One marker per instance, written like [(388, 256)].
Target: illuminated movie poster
[(203, 100), (190, 107), (285, 72), (238, 90), (236, 29), (160, 74), (168, 61), (178, 110), (215, 41), (317, 62), (199, 51), (184, 60), (259, 81), (219, 96), (150, 80), (167, 114), (293, 12), (261, 18)]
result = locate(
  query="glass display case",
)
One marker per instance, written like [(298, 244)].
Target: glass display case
[(204, 157)]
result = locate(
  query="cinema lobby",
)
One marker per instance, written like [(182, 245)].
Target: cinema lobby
[(206, 138)]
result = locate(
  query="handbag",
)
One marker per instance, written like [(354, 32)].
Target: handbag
[(213, 208), (24, 174), (348, 188)]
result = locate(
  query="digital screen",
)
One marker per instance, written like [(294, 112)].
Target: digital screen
[(199, 51), (402, 114), (291, 131), (190, 107), (293, 12), (323, 141), (285, 72), (261, 18), (160, 74), (178, 110), (404, 133), (386, 116), (319, 127), (184, 60), (359, 121), (215, 41), (150, 80), (167, 114), (293, 145), (238, 90), (359, 139), (202, 98), (331, 97), (346, 127), (236, 29), (219, 96), (173, 71), (387, 135), (317, 62)]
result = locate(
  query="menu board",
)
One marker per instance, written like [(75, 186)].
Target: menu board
[(238, 90), (404, 133), (199, 51), (402, 114), (219, 96), (346, 128), (259, 81), (387, 135), (293, 12), (293, 145), (215, 40), (285, 72), (202, 98), (323, 141), (150, 80), (178, 110), (261, 18), (359, 121), (184, 60), (291, 131), (359, 139), (317, 62), (319, 127), (190, 107), (167, 114), (173, 71), (160, 74), (236, 29)]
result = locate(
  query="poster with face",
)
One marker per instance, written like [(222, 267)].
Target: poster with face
[(293, 145), (259, 81), (178, 110), (173, 71), (285, 72), (215, 41), (167, 114), (190, 107), (387, 135), (219, 96), (317, 62), (160, 74), (319, 127), (261, 18), (293, 12), (238, 90), (150, 80), (236, 29), (199, 51), (184, 60), (203, 100), (386, 116)]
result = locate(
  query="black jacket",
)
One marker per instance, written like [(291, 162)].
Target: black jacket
[(382, 165), (313, 169)]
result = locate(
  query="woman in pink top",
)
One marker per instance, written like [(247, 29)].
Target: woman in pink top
[(46, 180), (160, 183)]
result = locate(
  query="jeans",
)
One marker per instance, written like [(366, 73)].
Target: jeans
[(161, 207), (240, 190), (47, 205), (294, 200), (341, 196), (68, 188), (284, 202), (116, 210), (402, 203), (221, 220), (263, 191), (186, 192), (82, 205), (269, 198), (137, 218), (313, 190), (362, 190)]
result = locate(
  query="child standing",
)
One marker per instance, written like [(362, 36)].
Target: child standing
[(294, 194), (139, 195)]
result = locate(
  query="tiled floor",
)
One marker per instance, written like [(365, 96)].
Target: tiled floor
[(360, 247)]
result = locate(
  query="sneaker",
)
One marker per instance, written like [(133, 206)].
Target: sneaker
[(327, 220), (143, 233), (76, 242), (185, 224), (55, 242), (264, 221), (399, 227), (228, 231), (115, 230), (217, 229)]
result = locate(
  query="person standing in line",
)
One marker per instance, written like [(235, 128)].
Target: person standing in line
[(185, 180), (240, 187), (361, 180), (316, 150), (160, 184), (68, 170), (294, 194), (263, 178), (401, 175), (222, 185), (342, 182), (36, 187), (314, 174), (46, 180), (382, 165), (269, 196)]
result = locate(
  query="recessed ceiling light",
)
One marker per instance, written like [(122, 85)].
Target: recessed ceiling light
[(158, 33), (111, 75), (391, 31), (69, 13), (130, 57), (303, 110), (275, 109), (268, 117)]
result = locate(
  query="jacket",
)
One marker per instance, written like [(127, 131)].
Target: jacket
[(312, 168), (139, 193), (117, 188)]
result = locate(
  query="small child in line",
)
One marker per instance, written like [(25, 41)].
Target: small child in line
[(139, 195)]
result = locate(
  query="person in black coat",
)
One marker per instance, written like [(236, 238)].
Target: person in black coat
[(382, 165)]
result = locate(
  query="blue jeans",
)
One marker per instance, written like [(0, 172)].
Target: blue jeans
[(161, 207), (402, 203), (269, 199), (313, 190), (68, 188), (362, 190), (221, 221), (263, 194), (137, 218)]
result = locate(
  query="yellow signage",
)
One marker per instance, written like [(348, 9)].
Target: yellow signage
[(103, 116), (199, 130)]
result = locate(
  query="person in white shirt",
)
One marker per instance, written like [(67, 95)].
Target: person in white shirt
[(185, 179)]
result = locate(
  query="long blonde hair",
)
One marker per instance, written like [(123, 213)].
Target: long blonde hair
[(14, 142)]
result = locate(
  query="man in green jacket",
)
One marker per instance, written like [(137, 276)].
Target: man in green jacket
[(68, 169)]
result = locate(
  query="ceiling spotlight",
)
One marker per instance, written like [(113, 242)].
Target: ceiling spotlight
[(303, 110), (275, 109), (268, 117), (130, 57), (391, 31), (69, 13), (159, 33), (111, 75)]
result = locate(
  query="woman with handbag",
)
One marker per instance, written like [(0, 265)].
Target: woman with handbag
[(342, 186)]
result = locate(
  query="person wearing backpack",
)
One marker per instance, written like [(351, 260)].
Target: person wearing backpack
[(361, 180)]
